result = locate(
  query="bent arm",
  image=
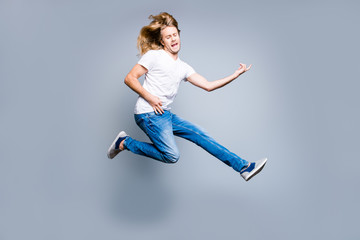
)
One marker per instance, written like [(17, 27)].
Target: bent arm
[(201, 82), (132, 81)]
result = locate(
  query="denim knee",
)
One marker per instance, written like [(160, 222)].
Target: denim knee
[(171, 157)]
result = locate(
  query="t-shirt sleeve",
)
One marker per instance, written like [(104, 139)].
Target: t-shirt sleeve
[(147, 60), (188, 71)]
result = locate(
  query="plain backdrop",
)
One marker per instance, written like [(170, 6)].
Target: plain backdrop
[(63, 100)]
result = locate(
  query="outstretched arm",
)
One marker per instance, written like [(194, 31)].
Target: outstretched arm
[(132, 80), (201, 82)]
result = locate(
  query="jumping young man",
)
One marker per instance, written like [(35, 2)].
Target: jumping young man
[(159, 46)]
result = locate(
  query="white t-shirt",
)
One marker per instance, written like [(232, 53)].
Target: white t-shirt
[(162, 79)]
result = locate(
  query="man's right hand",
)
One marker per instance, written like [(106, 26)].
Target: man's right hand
[(156, 104)]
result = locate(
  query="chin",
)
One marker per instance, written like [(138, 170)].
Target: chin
[(176, 50)]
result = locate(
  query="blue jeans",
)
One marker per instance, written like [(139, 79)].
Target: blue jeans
[(161, 130)]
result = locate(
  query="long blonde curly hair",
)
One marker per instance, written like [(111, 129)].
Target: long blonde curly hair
[(150, 35)]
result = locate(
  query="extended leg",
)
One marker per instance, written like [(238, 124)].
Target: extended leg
[(191, 132)]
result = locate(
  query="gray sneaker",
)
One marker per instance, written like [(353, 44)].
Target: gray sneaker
[(253, 169), (112, 151)]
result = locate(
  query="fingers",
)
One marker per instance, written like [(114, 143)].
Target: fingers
[(249, 67), (156, 104), (158, 109), (244, 68)]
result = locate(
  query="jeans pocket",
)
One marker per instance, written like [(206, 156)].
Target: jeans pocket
[(151, 115), (138, 120), (150, 122), (144, 122)]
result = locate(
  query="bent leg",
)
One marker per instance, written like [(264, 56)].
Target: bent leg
[(195, 134), (159, 129)]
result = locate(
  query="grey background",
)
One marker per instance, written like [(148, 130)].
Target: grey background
[(63, 100)]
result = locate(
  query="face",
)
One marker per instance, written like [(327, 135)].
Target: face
[(170, 39)]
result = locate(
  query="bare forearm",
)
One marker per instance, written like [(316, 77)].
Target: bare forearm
[(154, 101), (132, 80), (201, 82), (133, 83), (221, 82)]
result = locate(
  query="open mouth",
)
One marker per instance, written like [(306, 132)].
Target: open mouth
[(173, 45)]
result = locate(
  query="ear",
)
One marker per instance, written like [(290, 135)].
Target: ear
[(160, 38)]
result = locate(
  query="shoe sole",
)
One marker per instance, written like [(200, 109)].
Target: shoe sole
[(257, 171), (113, 144)]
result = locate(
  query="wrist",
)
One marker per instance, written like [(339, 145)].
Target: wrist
[(146, 95), (235, 75)]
